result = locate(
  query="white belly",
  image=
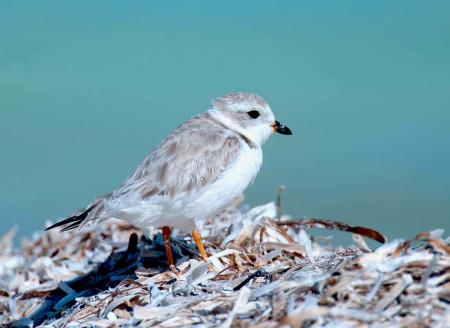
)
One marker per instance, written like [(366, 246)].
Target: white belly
[(185, 211)]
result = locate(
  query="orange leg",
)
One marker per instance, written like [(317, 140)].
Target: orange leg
[(198, 241), (166, 231)]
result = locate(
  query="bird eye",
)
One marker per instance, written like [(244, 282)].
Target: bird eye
[(253, 114)]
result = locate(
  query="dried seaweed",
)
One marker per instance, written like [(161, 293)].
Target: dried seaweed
[(267, 272), (334, 225)]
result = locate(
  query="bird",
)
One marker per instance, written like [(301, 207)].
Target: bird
[(193, 174)]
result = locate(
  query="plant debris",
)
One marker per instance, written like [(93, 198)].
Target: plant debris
[(264, 270)]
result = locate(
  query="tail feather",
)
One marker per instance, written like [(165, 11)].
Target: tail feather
[(92, 212), (72, 226), (74, 221)]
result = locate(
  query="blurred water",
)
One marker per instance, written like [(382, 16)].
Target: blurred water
[(87, 90)]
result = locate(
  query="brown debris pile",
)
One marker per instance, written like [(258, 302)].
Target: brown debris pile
[(267, 273)]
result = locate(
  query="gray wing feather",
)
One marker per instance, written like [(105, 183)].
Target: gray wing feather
[(193, 156)]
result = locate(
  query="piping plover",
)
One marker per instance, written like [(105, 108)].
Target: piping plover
[(194, 174)]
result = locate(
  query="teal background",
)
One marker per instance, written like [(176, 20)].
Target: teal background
[(87, 89)]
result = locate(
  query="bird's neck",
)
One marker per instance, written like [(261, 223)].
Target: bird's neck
[(228, 124)]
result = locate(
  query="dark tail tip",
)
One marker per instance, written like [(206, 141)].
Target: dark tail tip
[(73, 221)]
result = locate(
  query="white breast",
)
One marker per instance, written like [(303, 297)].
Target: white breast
[(230, 185)]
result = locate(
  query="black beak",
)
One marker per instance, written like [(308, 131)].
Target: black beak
[(281, 128)]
